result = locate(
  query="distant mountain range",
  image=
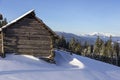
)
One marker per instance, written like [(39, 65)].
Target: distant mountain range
[(100, 34), (90, 38)]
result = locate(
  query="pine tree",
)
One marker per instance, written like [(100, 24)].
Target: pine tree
[(117, 49), (67, 45), (1, 17), (61, 42), (72, 44), (3, 22), (85, 48), (98, 46), (109, 50), (57, 43), (91, 49), (0, 24), (109, 45), (105, 51), (78, 48)]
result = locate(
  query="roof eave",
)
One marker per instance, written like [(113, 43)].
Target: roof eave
[(19, 18)]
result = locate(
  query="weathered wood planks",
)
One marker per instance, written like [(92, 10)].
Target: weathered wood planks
[(28, 36)]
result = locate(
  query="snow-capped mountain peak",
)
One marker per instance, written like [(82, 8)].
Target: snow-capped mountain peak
[(101, 34)]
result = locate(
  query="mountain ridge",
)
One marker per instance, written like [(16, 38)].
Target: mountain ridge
[(90, 38), (100, 34)]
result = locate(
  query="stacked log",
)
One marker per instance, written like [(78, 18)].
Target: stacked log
[(28, 36), (0, 43)]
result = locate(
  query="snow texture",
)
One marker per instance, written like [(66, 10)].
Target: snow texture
[(67, 67)]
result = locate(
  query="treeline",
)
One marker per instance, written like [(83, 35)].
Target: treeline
[(3, 21), (106, 51)]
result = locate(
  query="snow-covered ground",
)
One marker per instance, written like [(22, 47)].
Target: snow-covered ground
[(67, 67)]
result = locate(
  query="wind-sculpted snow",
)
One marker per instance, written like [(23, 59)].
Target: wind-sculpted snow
[(67, 67), (64, 59)]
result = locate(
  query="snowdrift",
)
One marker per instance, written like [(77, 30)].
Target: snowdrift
[(67, 67)]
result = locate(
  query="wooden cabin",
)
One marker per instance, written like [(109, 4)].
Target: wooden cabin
[(27, 35)]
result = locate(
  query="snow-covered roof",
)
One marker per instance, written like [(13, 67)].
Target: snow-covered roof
[(17, 19), (29, 12)]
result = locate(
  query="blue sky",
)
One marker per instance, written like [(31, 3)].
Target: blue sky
[(75, 16)]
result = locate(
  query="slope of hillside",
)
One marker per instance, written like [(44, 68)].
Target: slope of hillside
[(67, 67)]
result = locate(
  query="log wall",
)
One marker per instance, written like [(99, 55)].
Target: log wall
[(0, 43), (28, 36)]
